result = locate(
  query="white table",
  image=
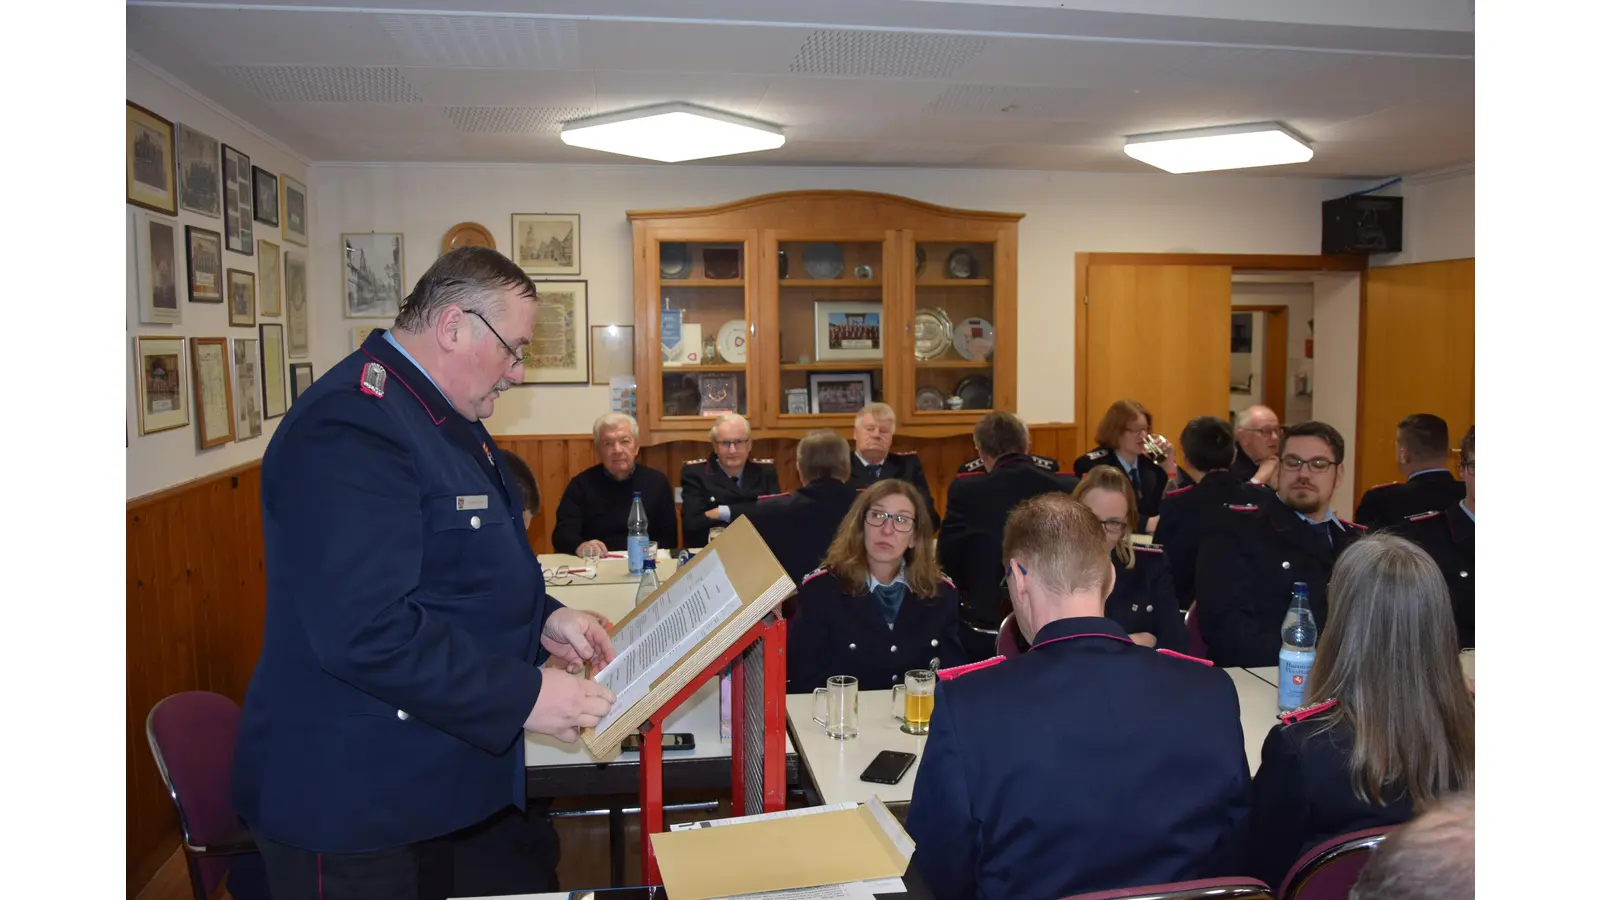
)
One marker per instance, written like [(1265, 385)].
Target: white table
[(610, 593), (836, 765), (1269, 674), (1258, 711)]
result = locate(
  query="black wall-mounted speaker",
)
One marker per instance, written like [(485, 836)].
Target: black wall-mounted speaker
[(1361, 224)]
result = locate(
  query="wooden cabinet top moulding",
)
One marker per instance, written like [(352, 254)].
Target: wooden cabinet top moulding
[(838, 210)]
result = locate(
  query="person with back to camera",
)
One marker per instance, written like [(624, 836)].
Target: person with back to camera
[(1192, 511)]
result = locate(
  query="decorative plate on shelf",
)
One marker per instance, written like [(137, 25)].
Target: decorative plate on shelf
[(675, 260), (467, 234), (929, 399), (824, 261), (976, 392), (732, 341), (974, 338), (961, 264), (932, 333)]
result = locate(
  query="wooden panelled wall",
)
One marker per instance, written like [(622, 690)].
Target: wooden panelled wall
[(197, 586)]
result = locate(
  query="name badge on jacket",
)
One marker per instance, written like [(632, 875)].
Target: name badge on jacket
[(474, 501)]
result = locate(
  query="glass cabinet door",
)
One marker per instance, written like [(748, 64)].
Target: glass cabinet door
[(704, 329), (953, 328), (832, 328)]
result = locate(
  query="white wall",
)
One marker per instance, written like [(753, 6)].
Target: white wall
[(172, 457), (1297, 296), (1438, 222), (1336, 305), (1065, 213)]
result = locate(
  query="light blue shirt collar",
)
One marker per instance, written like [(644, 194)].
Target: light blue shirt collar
[(900, 578), (1426, 471), (1468, 512), (389, 336), (1126, 467), (1331, 517)]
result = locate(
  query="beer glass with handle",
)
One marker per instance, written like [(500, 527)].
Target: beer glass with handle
[(917, 694)]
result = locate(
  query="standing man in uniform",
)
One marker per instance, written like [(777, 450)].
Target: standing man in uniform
[(725, 486), (1449, 537), (380, 748), (1191, 512), (1088, 763), (1422, 451), (1259, 433), (873, 462), (798, 527)]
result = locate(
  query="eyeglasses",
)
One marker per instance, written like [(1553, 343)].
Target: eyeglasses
[(1265, 432), (1319, 464), (1114, 526), (566, 572), (514, 354), (1140, 430), (902, 523), (730, 445)]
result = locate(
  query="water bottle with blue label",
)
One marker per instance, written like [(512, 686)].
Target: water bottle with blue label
[(638, 535), (1299, 649)]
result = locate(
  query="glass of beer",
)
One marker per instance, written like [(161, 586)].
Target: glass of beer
[(840, 705), (918, 694)]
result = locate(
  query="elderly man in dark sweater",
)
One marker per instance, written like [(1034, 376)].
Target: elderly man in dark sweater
[(594, 508)]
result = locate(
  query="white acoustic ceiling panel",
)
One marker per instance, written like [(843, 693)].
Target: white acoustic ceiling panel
[(484, 42), (325, 84), (962, 100), (885, 54), (514, 119)]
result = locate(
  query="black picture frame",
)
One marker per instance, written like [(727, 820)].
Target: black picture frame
[(203, 247), (265, 185), (238, 202)]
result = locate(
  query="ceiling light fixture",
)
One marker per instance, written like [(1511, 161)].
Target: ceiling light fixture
[(672, 132), (1223, 147)]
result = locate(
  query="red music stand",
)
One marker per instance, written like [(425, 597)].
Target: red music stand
[(759, 730)]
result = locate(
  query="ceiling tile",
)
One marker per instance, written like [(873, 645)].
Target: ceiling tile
[(884, 54), (501, 87), (484, 42)]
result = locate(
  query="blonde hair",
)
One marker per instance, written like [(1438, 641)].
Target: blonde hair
[(883, 412), (1058, 541), (1107, 478), (847, 555)]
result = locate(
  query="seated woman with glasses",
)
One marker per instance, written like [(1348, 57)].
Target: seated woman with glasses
[(1387, 728), (1120, 446), (878, 606), (1143, 600)]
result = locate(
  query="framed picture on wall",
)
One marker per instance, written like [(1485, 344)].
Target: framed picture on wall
[(296, 211), (269, 279), (297, 315), (849, 329), (840, 392), (300, 378), (238, 202), (159, 380), (546, 244), (205, 264), (374, 275), (241, 298), (246, 389), (610, 352), (158, 270), (213, 391), (151, 163), (199, 172), (274, 400), (559, 351), (266, 195)]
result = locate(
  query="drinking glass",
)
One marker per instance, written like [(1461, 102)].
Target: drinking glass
[(916, 695), (842, 701)]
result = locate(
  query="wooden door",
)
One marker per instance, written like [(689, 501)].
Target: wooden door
[(1416, 357), (1158, 334)]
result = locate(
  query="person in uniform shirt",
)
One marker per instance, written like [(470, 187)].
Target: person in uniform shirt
[(1422, 451), (1256, 457), (725, 486), (1191, 512), (1447, 536), (1247, 567), (799, 526), (1387, 727), (873, 461), (1142, 600), (1088, 763), (592, 517), (380, 745), (877, 607), (1119, 442)]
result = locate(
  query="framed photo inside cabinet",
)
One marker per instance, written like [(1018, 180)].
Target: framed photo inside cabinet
[(297, 315), (160, 383), (849, 329), (296, 211), (545, 244), (559, 350), (246, 389), (374, 275), (266, 200), (199, 172), (269, 279), (300, 378), (158, 270), (241, 298), (238, 202), (205, 264), (213, 391), (274, 401), (610, 352), (151, 161), (840, 392)]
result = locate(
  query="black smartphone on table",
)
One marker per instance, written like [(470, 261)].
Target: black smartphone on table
[(669, 742), (889, 767)]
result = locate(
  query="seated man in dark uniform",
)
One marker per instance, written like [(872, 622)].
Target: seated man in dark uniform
[(1190, 513), (975, 517), (1422, 451), (1448, 537), (872, 461), (798, 527), (1088, 763), (975, 465), (593, 512), (1247, 567), (1256, 456), (726, 485)]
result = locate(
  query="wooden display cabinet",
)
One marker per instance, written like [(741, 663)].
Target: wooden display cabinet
[(829, 293)]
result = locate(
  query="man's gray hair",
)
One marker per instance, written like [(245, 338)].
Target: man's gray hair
[(468, 277), (611, 420), (724, 419), (1242, 419), (1428, 858)]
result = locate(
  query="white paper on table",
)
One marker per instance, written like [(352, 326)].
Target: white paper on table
[(664, 632), (762, 817), (849, 890)]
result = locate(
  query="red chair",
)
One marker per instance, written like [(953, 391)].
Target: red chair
[(1328, 870), (1197, 644), (1010, 642), (192, 737), (1203, 889)]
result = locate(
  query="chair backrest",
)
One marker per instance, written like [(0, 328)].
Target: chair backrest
[(1191, 623), (1328, 870), (1203, 889), (192, 737), (1010, 642)]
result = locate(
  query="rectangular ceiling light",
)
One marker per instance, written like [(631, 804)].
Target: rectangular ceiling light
[(1224, 147), (672, 132)]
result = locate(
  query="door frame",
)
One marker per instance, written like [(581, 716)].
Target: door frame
[(1252, 261), (1274, 354)]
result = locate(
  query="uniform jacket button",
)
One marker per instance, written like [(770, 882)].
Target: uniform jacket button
[(934, 642), (475, 522), (893, 649), (1286, 564), (402, 714), (1150, 608), (1463, 574), (852, 646)]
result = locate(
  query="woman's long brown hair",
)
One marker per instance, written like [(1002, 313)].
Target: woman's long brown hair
[(1112, 478), (1389, 657), (847, 555)]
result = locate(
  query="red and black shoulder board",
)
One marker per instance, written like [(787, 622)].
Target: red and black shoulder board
[(1423, 517), (972, 472), (772, 496), (903, 453), (695, 462), (1176, 491), (1174, 653), (816, 573), (1377, 487), (764, 462), (1149, 548), (1306, 712), (958, 671), (1244, 507), (946, 579), (1349, 524)]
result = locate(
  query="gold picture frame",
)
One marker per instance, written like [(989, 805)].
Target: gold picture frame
[(161, 383), (151, 161)]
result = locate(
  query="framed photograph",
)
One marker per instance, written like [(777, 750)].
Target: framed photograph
[(849, 329), (297, 315), (273, 399), (241, 298), (238, 202), (296, 211), (158, 271), (159, 381), (246, 389), (213, 391), (374, 275), (152, 164), (199, 172), (300, 378), (269, 279), (205, 264), (610, 352), (545, 244), (559, 351), (266, 195), (840, 392)]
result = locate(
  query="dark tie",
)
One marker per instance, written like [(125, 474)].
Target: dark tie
[(1133, 476), (877, 471), (1325, 529), (889, 597)]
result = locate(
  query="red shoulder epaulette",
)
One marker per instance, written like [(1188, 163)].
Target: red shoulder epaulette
[(903, 453), (1204, 662), (946, 579), (1243, 507), (764, 462), (696, 462), (1351, 524), (817, 573), (770, 496), (1306, 712), (1384, 485), (1149, 548), (1174, 493), (958, 671), (973, 472), (1423, 517)]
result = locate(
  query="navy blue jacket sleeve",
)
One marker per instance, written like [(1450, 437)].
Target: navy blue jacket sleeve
[(1171, 633), (568, 532), (1224, 588), (357, 539), (768, 484), (953, 535), (919, 480), (696, 527), (1279, 810), (940, 819)]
